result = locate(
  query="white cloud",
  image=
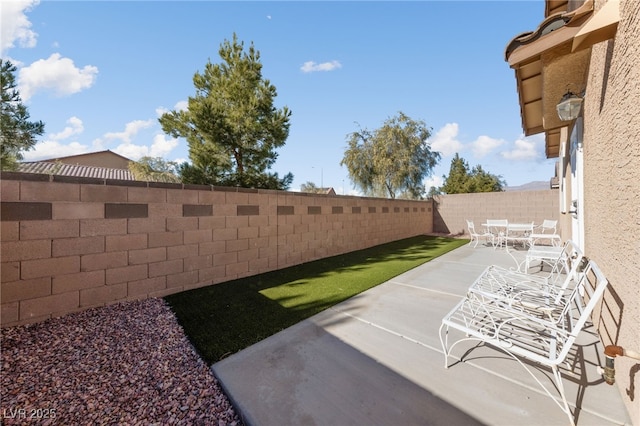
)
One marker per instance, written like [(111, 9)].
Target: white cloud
[(445, 140), (484, 145), (131, 129), (53, 149), (75, 127), (524, 150), (52, 146), (15, 27), (56, 74), (131, 151), (160, 147), (433, 181), (311, 66), (181, 106)]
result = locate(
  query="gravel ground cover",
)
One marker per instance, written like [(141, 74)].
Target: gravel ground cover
[(128, 363)]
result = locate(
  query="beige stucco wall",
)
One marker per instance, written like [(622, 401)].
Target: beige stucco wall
[(612, 189)]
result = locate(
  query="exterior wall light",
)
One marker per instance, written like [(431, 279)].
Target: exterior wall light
[(569, 106)]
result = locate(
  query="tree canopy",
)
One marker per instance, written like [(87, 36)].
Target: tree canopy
[(18, 134), (311, 187), (393, 160), (462, 180), (231, 124), (154, 169)]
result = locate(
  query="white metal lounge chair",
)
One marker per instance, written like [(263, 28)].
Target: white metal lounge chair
[(557, 258), (475, 236), (527, 337), (536, 294)]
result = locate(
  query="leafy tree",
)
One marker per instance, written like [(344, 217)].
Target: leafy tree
[(17, 132), (461, 180), (391, 160), (311, 188), (154, 169), (231, 125)]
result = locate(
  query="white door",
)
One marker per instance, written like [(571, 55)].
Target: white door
[(576, 209)]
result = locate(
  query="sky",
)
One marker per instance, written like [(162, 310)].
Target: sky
[(99, 74)]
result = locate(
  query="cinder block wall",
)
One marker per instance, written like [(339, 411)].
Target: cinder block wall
[(69, 244), (612, 191), (452, 211)]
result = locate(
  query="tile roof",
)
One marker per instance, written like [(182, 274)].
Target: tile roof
[(62, 169)]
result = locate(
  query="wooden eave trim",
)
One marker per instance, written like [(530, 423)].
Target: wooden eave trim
[(533, 50)]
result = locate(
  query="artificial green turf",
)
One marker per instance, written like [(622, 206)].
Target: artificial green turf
[(224, 318)]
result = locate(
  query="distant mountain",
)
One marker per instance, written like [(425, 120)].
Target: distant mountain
[(531, 186)]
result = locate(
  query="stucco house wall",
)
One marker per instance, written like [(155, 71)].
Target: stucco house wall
[(612, 189)]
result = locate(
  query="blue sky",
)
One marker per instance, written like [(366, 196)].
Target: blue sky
[(99, 74)]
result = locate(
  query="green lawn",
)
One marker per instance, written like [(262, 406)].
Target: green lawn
[(224, 318)]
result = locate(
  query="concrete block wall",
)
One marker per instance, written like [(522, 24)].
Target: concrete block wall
[(452, 211), (69, 244)]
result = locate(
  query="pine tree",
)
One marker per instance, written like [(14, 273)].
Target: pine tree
[(231, 124), (17, 133)]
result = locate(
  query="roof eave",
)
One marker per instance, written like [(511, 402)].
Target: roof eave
[(545, 69)]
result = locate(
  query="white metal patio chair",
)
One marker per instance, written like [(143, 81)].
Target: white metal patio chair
[(525, 337), (475, 236), (498, 228), (546, 231)]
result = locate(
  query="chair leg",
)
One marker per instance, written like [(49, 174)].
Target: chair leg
[(558, 379), (444, 341)]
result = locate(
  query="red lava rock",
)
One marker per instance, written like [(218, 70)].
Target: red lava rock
[(127, 363)]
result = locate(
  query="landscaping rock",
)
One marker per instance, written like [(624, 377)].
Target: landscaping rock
[(128, 363)]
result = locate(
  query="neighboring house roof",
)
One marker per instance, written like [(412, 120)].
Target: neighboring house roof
[(328, 191), (106, 158), (62, 169)]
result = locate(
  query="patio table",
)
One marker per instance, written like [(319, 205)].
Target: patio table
[(506, 231), (519, 232)]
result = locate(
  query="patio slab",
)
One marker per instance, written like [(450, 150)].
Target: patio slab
[(376, 359)]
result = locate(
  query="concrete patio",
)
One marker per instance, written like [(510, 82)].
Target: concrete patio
[(376, 359)]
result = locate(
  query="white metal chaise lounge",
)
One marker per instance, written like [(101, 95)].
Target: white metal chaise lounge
[(527, 337), (557, 258), (536, 294)]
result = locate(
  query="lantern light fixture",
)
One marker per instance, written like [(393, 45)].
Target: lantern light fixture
[(569, 106)]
